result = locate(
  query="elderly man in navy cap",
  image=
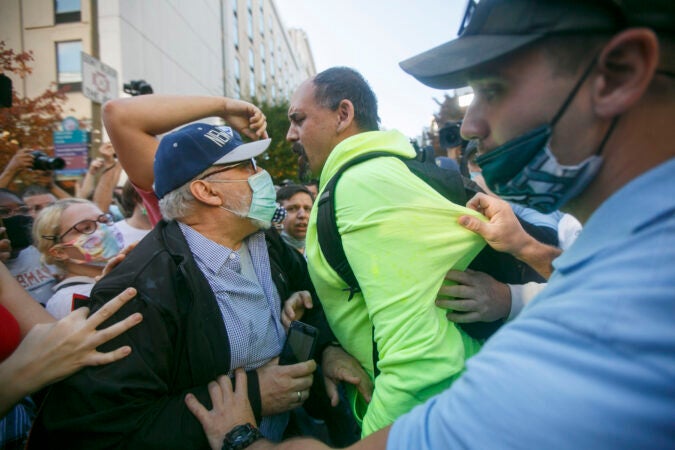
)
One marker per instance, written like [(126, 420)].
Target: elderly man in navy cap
[(574, 105), (210, 284)]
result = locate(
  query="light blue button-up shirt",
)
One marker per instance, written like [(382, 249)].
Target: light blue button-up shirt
[(590, 363), (249, 303)]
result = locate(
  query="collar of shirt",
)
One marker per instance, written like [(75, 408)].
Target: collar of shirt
[(214, 255), (643, 201)]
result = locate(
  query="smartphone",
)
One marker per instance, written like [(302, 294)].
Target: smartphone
[(300, 344)]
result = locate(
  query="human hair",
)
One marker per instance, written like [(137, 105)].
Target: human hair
[(48, 223), (571, 53), (343, 83), (178, 203), (33, 190), (286, 192), (129, 199)]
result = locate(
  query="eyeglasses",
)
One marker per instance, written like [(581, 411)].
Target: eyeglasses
[(6, 213), (250, 162), (87, 226)]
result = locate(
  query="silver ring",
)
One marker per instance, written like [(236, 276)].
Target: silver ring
[(299, 397)]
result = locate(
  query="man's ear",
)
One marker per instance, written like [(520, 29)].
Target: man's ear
[(202, 191), (626, 67), (345, 112)]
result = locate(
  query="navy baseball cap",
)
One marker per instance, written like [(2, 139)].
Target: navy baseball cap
[(185, 153), (494, 28)]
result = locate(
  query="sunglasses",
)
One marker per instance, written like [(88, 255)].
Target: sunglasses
[(88, 226), (250, 162)]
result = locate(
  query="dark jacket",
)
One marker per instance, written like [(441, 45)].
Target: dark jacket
[(180, 347)]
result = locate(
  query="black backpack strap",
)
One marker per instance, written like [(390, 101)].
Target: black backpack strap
[(327, 230)]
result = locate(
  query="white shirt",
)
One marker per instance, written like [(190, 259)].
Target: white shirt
[(32, 274), (129, 233), (61, 303)]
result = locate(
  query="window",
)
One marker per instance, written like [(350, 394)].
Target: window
[(251, 59), (272, 62), (251, 83), (261, 18), (69, 65), (67, 11), (235, 30), (237, 78), (250, 25), (237, 69), (263, 74)]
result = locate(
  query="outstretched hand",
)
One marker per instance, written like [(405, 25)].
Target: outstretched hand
[(231, 407), (65, 346), (55, 350)]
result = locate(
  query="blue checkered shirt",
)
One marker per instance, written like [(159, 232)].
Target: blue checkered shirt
[(251, 309)]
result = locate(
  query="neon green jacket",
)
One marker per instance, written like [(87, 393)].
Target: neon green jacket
[(400, 237)]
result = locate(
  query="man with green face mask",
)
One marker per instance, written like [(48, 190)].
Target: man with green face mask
[(210, 284)]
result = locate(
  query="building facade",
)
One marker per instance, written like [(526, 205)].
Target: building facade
[(236, 48)]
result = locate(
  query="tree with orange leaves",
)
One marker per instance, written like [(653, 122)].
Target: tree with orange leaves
[(29, 122)]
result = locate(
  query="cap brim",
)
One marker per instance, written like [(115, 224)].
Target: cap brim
[(245, 151), (447, 66)]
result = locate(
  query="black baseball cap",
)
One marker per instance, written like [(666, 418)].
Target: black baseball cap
[(493, 28)]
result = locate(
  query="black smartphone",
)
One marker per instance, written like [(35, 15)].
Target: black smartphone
[(300, 344)]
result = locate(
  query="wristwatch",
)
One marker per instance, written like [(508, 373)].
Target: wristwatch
[(241, 437)]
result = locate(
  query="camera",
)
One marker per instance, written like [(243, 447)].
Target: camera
[(138, 87), (449, 135), (42, 161)]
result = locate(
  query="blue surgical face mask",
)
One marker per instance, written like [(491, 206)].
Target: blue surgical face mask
[(524, 170)]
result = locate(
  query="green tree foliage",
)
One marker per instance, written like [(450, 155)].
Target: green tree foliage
[(29, 123), (279, 160)]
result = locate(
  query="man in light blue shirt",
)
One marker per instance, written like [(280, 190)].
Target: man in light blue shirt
[(574, 105)]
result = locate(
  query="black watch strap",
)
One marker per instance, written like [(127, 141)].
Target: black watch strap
[(241, 437)]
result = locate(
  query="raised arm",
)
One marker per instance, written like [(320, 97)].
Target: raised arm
[(133, 124)]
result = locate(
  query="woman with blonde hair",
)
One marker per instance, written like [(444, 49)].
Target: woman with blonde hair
[(78, 239)]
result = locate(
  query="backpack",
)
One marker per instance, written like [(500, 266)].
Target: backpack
[(454, 187)]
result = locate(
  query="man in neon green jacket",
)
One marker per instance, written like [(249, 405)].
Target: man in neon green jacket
[(400, 237)]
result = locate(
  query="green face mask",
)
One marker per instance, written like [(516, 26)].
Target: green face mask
[(264, 202), (264, 206)]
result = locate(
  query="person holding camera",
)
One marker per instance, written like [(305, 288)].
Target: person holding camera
[(22, 160)]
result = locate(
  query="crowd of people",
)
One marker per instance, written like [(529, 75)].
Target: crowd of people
[(153, 315)]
